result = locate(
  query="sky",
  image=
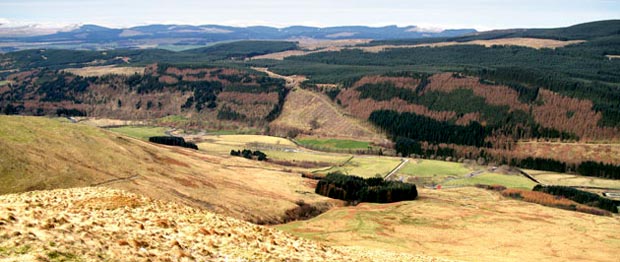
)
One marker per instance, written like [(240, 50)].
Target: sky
[(478, 14)]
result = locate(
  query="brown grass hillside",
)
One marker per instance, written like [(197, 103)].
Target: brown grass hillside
[(99, 224), (40, 153), (105, 70), (311, 113)]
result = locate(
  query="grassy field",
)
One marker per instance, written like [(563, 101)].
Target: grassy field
[(454, 224), (275, 147), (259, 139), (335, 159), (282, 149), (366, 166), (39, 153), (435, 169), (552, 178), (140, 132), (333, 143), (3, 82), (435, 172), (510, 181)]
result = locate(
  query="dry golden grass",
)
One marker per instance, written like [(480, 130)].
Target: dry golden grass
[(40, 153), (314, 114), (285, 54), (246, 139), (105, 70), (98, 224), (517, 41), (468, 224), (283, 152), (552, 201), (222, 144), (552, 178), (314, 46), (330, 46), (570, 152), (107, 122)]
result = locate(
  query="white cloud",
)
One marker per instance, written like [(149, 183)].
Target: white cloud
[(4, 21)]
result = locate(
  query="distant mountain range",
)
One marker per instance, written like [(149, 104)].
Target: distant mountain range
[(95, 37)]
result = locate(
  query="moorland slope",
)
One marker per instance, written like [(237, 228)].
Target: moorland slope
[(41, 153), (100, 224)]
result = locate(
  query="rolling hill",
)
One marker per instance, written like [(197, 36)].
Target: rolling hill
[(94, 37), (40, 153)]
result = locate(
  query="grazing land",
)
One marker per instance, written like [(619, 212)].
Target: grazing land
[(366, 166), (451, 174), (510, 181), (140, 132), (276, 148), (330, 143), (105, 70), (107, 122), (561, 179), (454, 223), (435, 169)]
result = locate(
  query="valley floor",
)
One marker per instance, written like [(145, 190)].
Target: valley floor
[(468, 224)]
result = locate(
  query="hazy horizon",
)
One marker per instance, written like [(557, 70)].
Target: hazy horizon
[(443, 14)]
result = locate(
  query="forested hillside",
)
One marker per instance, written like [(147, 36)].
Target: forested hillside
[(210, 92)]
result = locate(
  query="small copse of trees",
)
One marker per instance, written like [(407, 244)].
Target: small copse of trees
[(172, 141), (357, 189), (249, 154)]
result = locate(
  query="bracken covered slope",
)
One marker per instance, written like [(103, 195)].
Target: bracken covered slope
[(99, 224)]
